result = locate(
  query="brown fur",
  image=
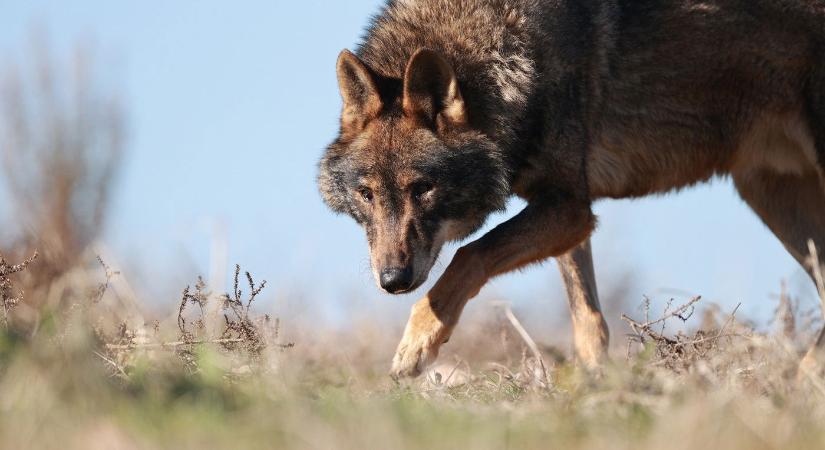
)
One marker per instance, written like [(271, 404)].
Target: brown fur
[(451, 106)]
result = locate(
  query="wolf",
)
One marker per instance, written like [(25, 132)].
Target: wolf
[(450, 107)]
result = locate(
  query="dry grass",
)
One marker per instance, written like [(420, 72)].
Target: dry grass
[(90, 378)]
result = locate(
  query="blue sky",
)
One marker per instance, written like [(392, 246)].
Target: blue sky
[(230, 107)]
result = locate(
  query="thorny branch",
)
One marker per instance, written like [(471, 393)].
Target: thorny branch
[(241, 332), (679, 350), (8, 296), (241, 326), (101, 289), (200, 298)]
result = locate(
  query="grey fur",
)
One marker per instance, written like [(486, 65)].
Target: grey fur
[(563, 102)]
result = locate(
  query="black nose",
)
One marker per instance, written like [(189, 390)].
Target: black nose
[(395, 280)]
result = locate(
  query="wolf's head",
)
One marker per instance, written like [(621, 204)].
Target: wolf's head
[(409, 166)]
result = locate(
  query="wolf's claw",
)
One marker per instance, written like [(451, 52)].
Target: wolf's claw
[(423, 336)]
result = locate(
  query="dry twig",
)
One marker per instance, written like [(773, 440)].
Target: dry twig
[(8, 296), (816, 268), (531, 344), (241, 332), (678, 351)]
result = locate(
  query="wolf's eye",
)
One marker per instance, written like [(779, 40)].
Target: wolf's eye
[(419, 190), (366, 194)]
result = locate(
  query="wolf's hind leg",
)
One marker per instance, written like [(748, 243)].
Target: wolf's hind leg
[(793, 207), (590, 332)]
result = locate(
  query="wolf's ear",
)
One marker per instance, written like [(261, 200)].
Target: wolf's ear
[(362, 101), (431, 91)]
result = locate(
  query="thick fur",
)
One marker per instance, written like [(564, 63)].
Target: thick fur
[(563, 102)]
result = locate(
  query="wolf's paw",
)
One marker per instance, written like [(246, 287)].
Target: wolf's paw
[(424, 335)]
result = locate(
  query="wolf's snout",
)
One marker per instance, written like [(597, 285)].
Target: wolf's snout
[(396, 279)]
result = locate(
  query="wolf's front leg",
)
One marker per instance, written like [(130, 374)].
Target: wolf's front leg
[(542, 230), (432, 319)]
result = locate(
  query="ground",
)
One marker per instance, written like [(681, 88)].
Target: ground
[(74, 377)]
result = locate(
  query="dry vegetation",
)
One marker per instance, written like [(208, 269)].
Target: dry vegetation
[(90, 377), (83, 364)]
